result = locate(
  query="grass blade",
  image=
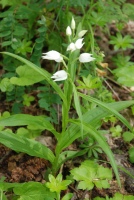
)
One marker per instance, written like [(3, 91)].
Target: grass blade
[(104, 105)]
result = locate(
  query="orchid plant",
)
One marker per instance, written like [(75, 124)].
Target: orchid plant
[(70, 64), (71, 129)]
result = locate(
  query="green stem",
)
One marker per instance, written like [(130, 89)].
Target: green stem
[(58, 196), (91, 38), (68, 89)]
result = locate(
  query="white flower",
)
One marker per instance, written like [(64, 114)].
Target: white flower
[(68, 31), (60, 75), (73, 23), (86, 57), (82, 33), (77, 45), (71, 47), (53, 55)]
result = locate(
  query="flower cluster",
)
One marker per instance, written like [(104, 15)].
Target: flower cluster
[(78, 44)]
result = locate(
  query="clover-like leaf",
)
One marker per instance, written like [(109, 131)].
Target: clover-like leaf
[(90, 174)]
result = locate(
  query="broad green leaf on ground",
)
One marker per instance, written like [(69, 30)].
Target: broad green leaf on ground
[(33, 190), (27, 76), (36, 122), (29, 146), (89, 175), (125, 75)]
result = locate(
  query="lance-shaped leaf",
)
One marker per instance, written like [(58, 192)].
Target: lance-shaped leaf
[(37, 122), (29, 146)]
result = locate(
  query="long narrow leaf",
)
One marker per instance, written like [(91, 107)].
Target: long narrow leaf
[(104, 105), (29, 146), (24, 119), (78, 108), (93, 117)]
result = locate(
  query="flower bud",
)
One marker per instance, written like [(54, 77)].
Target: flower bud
[(86, 57), (82, 33), (68, 31), (73, 23)]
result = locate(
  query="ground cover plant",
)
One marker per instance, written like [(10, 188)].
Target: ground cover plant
[(64, 125)]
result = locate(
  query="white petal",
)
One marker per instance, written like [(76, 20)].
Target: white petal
[(60, 75), (73, 23), (53, 55), (68, 31), (82, 33), (86, 57), (71, 47), (79, 44)]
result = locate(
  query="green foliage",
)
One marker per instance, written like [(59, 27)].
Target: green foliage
[(120, 42), (128, 136), (28, 132), (24, 30), (27, 75), (91, 148), (33, 122), (131, 154), (27, 99), (125, 75), (47, 98), (103, 12), (128, 9), (89, 82), (67, 196), (117, 196), (121, 61), (5, 85), (29, 146), (57, 184), (116, 131), (29, 190), (38, 46), (90, 174)]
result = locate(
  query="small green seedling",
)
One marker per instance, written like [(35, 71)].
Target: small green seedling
[(92, 148), (57, 184), (27, 99), (116, 131)]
